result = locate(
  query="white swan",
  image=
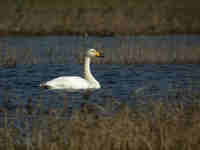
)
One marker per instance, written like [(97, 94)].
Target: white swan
[(76, 83)]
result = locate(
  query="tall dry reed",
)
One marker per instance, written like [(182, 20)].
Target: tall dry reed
[(153, 125)]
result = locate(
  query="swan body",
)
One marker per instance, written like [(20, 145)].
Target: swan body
[(71, 83), (76, 83)]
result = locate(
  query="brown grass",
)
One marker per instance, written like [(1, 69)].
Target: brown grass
[(139, 55), (153, 125), (121, 55), (11, 57), (99, 17)]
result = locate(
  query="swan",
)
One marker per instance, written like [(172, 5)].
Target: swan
[(76, 83)]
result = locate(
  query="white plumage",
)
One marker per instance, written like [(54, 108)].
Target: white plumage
[(71, 83), (75, 83)]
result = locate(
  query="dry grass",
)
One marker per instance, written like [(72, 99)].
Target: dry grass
[(99, 17), (140, 55), (10, 57), (153, 125)]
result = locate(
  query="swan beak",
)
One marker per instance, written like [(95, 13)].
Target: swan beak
[(98, 54)]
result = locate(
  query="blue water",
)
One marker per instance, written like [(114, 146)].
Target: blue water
[(121, 82)]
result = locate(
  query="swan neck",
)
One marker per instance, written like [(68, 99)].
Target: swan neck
[(87, 72)]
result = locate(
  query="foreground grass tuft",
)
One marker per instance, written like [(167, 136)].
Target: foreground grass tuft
[(154, 125)]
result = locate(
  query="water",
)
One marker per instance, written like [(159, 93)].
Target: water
[(119, 81)]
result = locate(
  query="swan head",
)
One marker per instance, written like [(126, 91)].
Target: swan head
[(93, 53)]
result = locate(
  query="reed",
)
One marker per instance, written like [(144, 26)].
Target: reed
[(125, 54), (99, 17), (153, 125), (11, 57), (140, 55)]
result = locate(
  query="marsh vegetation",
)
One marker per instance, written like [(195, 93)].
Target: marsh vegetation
[(99, 17), (118, 50), (150, 124)]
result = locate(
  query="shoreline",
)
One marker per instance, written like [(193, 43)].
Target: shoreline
[(4, 33)]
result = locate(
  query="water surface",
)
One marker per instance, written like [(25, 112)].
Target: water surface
[(119, 81)]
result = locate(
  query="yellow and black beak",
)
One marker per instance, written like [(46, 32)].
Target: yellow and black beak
[(98, 54)]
